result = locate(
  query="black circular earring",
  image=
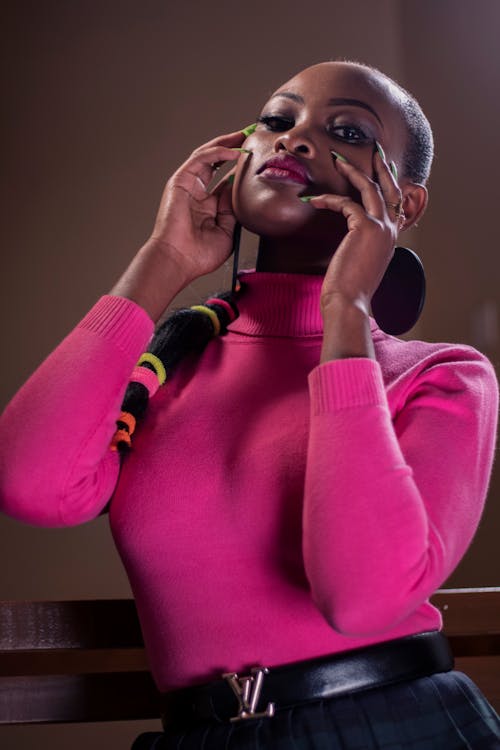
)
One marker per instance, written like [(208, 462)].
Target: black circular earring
[(399, 299)]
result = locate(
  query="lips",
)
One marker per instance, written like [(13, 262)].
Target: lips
[(285, 168)]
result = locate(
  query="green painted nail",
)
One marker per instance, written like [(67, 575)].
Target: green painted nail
[(249, 129), (243, 150), (394, 170), (380, 150), (306, 198), (230, 179), (339, 157)]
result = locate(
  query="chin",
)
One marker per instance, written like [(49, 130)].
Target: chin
[(285, 221), (262, 228), (272, 218)]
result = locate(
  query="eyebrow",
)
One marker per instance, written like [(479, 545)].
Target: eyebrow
[(332, 102)]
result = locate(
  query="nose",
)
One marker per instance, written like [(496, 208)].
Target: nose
[(295, 141)]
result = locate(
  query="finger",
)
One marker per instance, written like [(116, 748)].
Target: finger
[(214, 155), (201, 165), (385, 178), (353, 212), (371, 195), (224, 176), (235, 138), (206, 158)]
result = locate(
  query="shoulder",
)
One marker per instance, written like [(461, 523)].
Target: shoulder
[(452, 365)]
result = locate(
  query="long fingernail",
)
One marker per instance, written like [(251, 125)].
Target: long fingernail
[(249, 129), (243, 150), (380, 150), (339, 157), (306, 198), (394, 170), (230, 179)]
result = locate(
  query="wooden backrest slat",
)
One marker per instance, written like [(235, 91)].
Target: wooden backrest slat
[(113, 623), (103, 623), (66, 698), (85, 660), (72, 661), (469, 611)]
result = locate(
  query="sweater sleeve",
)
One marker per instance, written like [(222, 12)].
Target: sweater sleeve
[(391, 505), (56, 467)]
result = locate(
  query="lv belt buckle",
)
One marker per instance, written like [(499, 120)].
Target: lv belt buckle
[(247, 690)]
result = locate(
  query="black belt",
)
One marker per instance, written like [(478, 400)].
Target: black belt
[(264, 691)]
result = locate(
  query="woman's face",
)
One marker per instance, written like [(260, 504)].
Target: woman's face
[(327, 107)]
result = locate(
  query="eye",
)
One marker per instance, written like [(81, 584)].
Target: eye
[(349, 133), (276, 123)]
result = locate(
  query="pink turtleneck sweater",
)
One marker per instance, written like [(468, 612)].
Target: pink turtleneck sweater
[(271, 509)]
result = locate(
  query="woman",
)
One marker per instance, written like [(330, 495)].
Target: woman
[(285, 505)]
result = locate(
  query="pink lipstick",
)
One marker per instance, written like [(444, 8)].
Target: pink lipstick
[(285, 168)]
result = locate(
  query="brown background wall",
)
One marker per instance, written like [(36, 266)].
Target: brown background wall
[(102, 100)]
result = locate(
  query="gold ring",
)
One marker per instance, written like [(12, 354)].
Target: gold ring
[(398, 208)]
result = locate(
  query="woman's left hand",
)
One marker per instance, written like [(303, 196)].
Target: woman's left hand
[(359, 263)]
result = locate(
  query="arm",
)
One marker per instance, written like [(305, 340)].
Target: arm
[(391, 507), (391, 504), (192, 235), (56, 467)]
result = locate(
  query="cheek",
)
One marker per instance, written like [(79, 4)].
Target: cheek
[(361, 158), (265, 210), (268, 212)]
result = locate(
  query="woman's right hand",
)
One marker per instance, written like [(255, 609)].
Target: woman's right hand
[(192, 224), (192, 235)]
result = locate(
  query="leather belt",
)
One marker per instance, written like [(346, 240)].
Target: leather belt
[(264, 691)]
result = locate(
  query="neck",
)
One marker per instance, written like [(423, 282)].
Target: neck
[(294, 255)]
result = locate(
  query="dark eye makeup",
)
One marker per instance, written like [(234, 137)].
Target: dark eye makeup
[(347, 133), (276, 123)]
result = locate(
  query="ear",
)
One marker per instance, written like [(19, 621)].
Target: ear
[(414, 203)]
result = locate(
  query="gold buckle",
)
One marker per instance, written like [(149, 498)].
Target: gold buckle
[(247, 690)]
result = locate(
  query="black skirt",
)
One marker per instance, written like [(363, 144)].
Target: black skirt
[(445, 711)]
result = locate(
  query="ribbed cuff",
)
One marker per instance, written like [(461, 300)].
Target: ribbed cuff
[(346, 383), (120, 320)]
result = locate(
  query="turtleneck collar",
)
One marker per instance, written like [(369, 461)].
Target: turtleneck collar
[(279, 304)]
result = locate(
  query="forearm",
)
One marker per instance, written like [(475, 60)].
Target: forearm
[(346, 331), (386, 517), (365, 529), (153, 279), (55, 464)]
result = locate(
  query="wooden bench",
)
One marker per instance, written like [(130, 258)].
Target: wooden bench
[(80, 661)]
